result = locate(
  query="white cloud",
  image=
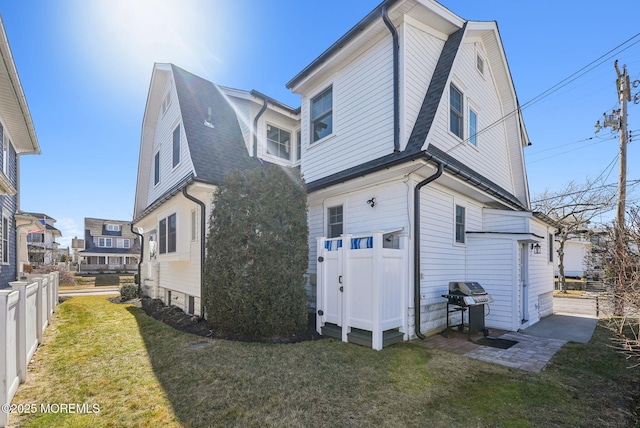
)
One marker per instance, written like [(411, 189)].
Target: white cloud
[(70, 229)]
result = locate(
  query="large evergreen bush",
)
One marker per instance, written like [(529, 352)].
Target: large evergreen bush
[(257, 254)]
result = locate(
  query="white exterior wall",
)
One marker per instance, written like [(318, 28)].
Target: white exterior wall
[(420, 53), (491, 156), (163, 142), (541, 274), (390, 213), (362, 114), (575, 253)]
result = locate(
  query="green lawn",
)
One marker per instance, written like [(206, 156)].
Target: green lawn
[(140, 372)]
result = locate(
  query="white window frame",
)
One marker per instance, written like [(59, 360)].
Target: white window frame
[(473, 133), (103, 241), (329, 223), (194, 225), (287, 149), (323, 114), (123, 243), (113, 227), (163, 241), (453, 112), (166, 101), (462, 239)]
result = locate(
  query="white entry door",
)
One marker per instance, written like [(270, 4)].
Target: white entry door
[(524, 283)]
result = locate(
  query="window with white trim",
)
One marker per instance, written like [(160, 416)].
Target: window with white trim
[(278, 142), (456, 115), (113, 227), (167, 234), (335, 222), (473, 128), (480, 64), (322, 115), (460, 224), (166, 102), (194, 225), (105, 242), (298, 144), (123, 243)]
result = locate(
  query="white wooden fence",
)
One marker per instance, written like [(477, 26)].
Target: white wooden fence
[(362, 285), (25, 311)]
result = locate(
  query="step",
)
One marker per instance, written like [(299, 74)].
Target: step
[(363, 337), (332, 330)]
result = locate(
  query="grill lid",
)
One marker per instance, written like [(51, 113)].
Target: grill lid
[(468, 288)]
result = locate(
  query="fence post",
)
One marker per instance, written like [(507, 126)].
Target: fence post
[(345, 255), (320, 285), (27, 324), (377, 341), (9, 300)]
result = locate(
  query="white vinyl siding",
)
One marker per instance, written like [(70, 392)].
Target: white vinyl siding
[(492, 158), (163, 145), (362, 115), (422, 51)]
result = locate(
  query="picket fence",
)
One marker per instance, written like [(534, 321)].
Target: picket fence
[(25, 309)]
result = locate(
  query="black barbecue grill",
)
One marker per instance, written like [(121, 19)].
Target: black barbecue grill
[(469, 296)]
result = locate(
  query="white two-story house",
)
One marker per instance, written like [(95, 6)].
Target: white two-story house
[(410, 125), (194, 133)]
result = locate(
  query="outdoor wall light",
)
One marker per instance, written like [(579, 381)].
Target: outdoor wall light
[(372, 202), (536, 248)]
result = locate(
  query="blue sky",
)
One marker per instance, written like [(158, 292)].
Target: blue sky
[(85, 67)]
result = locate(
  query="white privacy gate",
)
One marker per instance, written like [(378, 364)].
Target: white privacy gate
[(362, 285)]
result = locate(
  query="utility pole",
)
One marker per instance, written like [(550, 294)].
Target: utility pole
[(617, 120)]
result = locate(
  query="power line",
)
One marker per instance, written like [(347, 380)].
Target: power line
[(572, 77), (630, 183)]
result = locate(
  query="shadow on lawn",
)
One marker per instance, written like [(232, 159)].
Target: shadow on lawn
[(211, 382)]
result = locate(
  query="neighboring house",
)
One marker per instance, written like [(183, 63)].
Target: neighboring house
[(410, 139), (17, 138), (110, 246), (41, 242), (577, 249), (194, 133), (410, 125)]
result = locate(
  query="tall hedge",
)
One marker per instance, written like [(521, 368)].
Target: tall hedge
[(257, 254)]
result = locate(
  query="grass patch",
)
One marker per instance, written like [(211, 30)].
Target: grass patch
[(143, 373)]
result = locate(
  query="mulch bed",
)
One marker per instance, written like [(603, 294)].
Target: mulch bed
[(176, 318)]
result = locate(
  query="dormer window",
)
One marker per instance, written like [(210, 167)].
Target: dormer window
[(113, 227), (278, 142), (322, 115)]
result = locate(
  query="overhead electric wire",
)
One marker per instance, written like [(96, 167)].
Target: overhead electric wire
[(572, 77)]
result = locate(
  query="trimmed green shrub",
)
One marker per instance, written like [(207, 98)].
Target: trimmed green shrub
[(107, 279), (257, 254), (128, 291)]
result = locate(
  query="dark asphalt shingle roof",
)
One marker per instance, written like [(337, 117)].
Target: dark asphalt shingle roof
[(214, 151)]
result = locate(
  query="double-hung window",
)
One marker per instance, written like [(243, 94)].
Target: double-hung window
[(456, 116), (104, 242), (322, 115), (168, 234), (460, 224), (278, 142), (335, 223), (176, 146)]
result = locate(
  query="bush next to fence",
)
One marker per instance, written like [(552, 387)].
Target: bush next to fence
[(257, 254), (66, 277)]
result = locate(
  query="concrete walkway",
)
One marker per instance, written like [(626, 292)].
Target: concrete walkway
[(536, 344)]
